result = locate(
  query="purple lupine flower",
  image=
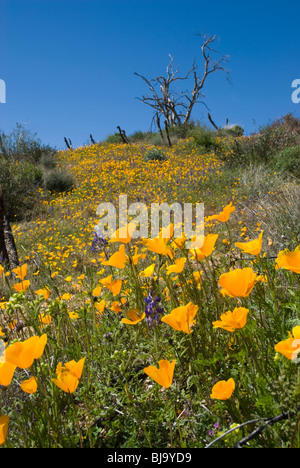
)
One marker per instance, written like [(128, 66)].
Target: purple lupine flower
[(153, 310), (99, 243)]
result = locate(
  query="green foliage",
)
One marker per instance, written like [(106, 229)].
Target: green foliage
[(114, 139), (155, 155), (235, 131), (26, 165), (22, 145), (205, 138), (261, 148), (58, 181), (288, 161), (20, 181)]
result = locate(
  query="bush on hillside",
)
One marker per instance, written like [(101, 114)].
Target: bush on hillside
[(20, 182), (58, 181), (155, 155), (24, 168), (288, 161), (261, 148), (22, 144)]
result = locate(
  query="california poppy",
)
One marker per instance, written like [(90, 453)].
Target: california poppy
[(7, 371), (23, 286), (118, 259), (4, 421), (290, 348), (178, 267), (113, 285), (232, 321), (133, 317), (22, 354), (21, 271), (29, 386), (208, 245), (238, 282), (289, 260), (162, 375), (252, 247), (148, 271), (224, 215), (223, 390), (182, 318)]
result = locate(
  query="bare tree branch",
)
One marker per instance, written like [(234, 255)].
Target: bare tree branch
[(175, 107)]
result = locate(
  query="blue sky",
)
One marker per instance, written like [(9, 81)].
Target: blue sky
[(69, 65)]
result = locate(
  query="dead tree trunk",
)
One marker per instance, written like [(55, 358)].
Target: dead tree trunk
[(212, 122), (10, 244), (159, 127), (8, 250), (167, 133), (4, 258), (123, 135)]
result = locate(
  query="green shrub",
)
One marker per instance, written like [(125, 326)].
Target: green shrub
[(58, 181), (20, 182), (261, 148), (114, 139), (155, 155), (236, 131), (140, 136), (48, 161), (288, 161), (23, 145), (204, 137)]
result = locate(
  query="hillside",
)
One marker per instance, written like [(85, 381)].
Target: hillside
[(144, 342)]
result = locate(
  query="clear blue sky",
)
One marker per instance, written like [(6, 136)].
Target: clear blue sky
[(69, 64)]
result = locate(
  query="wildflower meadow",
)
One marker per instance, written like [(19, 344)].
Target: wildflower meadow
[(120, 341)]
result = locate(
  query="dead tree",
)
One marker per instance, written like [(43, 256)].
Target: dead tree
[(68, 143), (92, 139), (175, 106), (167, 132), (212, 122), (8, 250), (158, 126), (123, 135)]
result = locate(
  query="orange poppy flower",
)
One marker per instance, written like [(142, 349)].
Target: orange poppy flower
[(22, 354), (182, 318), (23, 286), (158, 245), (290, 348), (21, 271), (29, 386), (289, 260), (68, 376), (113, 285), (118, 259), (224, 215), (148, 271), (232, 321), (238, 283), (252, 247), (43, 292), (208, 245), (178, 267), (100, 306), (4, 421), (124, 234), (66, 382), (223, 390), (7, 371), (162, 375), (133, 317)]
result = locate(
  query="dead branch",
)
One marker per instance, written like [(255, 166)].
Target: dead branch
[(168, 102), (123, 135)]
